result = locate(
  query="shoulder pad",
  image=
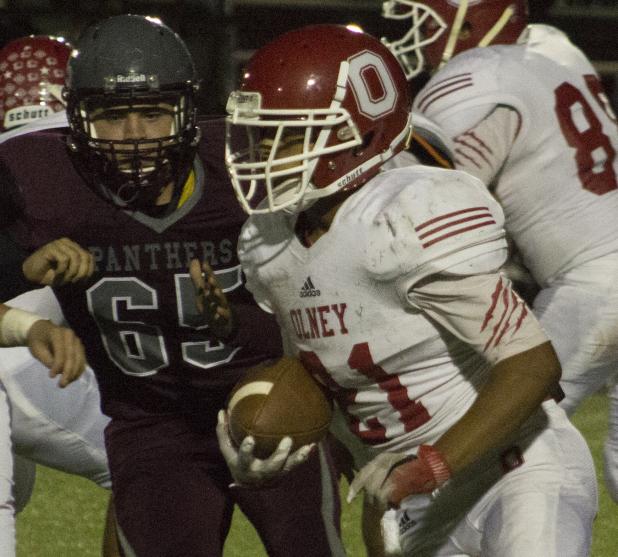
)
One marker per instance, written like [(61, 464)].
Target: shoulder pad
[(469, 79), (428, 220)]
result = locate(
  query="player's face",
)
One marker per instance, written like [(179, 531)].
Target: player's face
[(138, 122), (289, 146)]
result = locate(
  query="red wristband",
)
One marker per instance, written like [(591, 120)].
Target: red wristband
[(422, 474), (434, 459)]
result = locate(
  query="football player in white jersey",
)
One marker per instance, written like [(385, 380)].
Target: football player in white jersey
[(56, 348), (58, 428), (386, 287), (529, 117)]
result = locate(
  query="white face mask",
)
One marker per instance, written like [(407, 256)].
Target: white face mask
[(409, 49), (278, 178)]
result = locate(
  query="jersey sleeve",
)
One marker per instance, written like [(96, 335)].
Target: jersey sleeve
[(468, 100), (12, 279), (481, 310), (248, 247), (10, 205), (483, 149), (470, 85), (433, 220)]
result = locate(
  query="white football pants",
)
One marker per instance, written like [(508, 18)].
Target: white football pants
[(542, 508), (579, 312)]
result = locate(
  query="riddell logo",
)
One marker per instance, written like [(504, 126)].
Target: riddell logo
[(131, 78), (308, 289)]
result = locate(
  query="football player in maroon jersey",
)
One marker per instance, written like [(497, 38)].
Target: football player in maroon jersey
[(58, 428), (125, 201)]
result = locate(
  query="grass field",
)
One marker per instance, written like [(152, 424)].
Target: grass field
[(65, 515)]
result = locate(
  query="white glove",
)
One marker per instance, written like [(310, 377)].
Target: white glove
[(249, 470), (372, 478), (390, 534)]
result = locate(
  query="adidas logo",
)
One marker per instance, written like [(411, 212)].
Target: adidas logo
[(405, 523), (308, 289)]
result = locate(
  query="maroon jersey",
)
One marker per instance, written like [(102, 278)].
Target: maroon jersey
[(137, 315)]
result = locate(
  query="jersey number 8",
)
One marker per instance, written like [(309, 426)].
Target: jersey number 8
[(592, 147)]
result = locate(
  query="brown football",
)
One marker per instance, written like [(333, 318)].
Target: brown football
[(276, 401)]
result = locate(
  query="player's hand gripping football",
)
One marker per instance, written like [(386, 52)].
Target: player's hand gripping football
[(59, 262), (211, 301), (391, 477), (59, 349), (246, 469)]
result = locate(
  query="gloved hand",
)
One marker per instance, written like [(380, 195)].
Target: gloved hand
[(211, 301), (391, 477), (249, 470)]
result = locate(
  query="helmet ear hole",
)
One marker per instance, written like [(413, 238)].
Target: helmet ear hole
[(466, 31), (367, 141)]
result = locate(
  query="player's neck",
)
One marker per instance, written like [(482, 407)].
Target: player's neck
[(166, 195), (313, 223)]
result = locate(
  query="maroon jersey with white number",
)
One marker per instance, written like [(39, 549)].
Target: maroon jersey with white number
[(137, 314)]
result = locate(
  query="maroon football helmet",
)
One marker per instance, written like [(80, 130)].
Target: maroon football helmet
[(442, 28), (32, 74), (319, 110)]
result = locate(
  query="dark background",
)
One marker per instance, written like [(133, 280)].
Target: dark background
[(221, 34)]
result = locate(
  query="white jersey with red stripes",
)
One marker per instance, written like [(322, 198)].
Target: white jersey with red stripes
[(532, 121), (398, 308)]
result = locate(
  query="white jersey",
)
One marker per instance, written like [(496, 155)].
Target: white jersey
[(59, 428), (550, 156), (353, 307)]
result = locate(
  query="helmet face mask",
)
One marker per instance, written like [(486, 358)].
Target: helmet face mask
[(302, 130), (426, 28), (134, 170), (32, 74), (281, 152), (439, 29), (132, 67)]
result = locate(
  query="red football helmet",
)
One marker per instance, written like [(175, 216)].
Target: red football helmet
[(470, 23), (321, 107), (32, 73)]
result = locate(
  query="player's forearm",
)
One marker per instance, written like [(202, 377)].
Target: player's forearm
[(515, 389), (15, 324)]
